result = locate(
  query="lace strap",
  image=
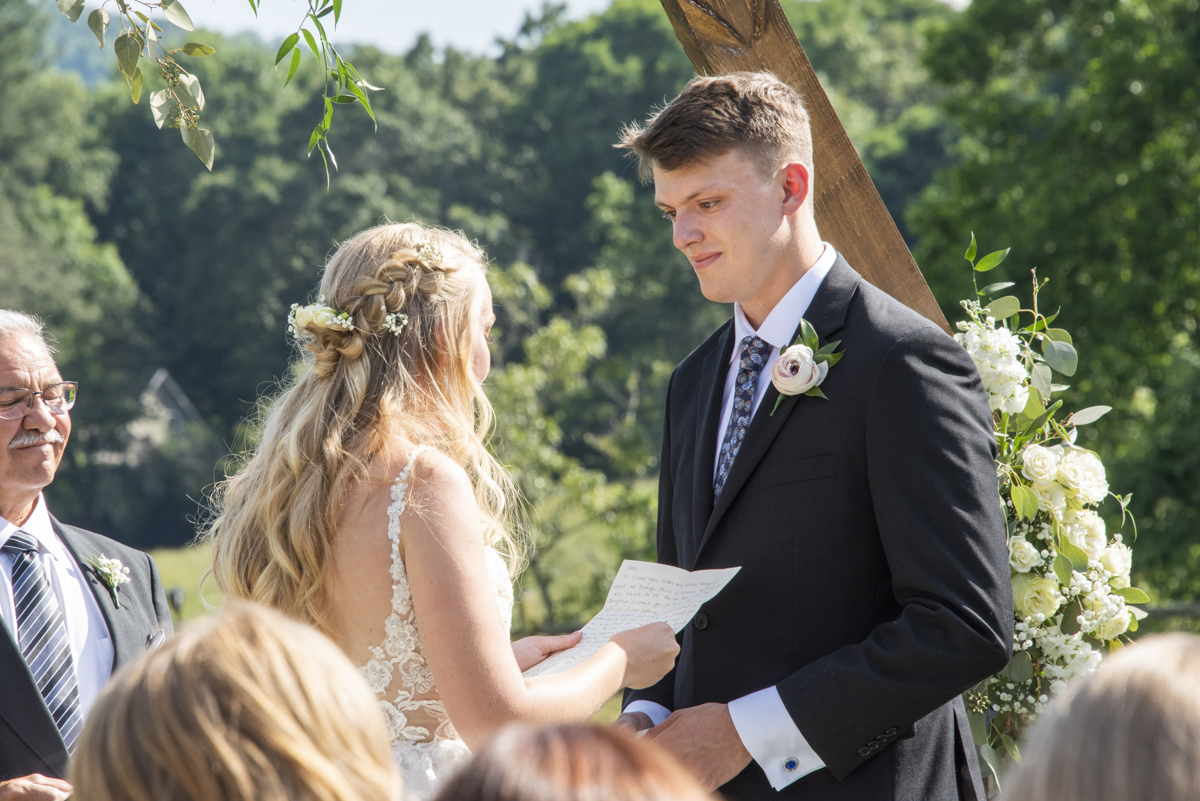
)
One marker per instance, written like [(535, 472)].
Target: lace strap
[(399, 499)]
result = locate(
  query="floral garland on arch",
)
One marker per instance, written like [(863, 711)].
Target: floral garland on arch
[(1070, 575)]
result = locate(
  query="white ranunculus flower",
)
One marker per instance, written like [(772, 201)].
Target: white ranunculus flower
[(1086, 531), (1034, 595), (1039, 464), (1115, 626), (1022, 556), (1051, 497), (796, 372), (1117, 559), (1085, 473)]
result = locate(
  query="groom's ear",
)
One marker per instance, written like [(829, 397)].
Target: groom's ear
[(797, 186)]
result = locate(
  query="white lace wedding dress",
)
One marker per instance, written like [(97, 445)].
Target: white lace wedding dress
[(424, 742)]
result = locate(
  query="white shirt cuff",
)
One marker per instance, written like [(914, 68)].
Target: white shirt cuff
[(771, 737), (657, 712)]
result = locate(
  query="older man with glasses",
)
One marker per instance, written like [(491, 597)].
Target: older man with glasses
[(75, 605)]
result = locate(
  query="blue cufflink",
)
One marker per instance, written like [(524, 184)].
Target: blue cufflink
[(791, 764)]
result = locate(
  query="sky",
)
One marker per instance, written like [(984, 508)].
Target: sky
[(392, 25)]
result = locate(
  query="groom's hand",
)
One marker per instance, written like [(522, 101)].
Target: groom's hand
[(704, 740), (634, 722), (531, 651)]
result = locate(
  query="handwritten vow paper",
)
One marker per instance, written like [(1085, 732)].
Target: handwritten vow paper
[(642, 593)]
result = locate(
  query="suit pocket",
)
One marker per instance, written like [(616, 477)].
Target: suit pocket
[(800, 470)]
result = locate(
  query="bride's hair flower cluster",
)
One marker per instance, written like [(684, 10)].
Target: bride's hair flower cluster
[(317, 315)]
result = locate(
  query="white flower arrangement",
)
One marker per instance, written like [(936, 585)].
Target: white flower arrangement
[(1071, 586), (112, 574), (317, 315)]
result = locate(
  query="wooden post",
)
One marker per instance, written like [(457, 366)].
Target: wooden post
[(722, 36)]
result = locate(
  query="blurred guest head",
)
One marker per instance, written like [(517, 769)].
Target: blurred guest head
[(252, 707), (34, 414), (570, 763), (1128, 732)]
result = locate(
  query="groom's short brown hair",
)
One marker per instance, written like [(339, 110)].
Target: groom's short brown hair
[(752, 111)]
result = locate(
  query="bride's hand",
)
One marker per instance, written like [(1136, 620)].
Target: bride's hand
[(650, 653), (531, 651)]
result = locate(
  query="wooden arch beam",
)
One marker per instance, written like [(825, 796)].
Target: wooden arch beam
[(722, 36)]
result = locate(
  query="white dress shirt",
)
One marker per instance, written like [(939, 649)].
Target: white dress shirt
[(761, 719), (91, 645)]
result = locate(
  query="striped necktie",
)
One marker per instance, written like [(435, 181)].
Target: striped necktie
[(42, 635)]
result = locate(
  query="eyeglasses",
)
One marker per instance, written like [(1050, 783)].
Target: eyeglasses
[(17, 402)]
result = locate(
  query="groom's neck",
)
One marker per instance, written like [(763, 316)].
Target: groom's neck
[(793, 263)]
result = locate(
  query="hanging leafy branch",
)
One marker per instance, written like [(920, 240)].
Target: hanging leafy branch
[(179, 105), (342, 85)]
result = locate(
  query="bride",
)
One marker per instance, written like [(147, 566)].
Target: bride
[(372, 509)]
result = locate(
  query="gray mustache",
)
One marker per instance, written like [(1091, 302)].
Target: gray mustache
[(31, 436)]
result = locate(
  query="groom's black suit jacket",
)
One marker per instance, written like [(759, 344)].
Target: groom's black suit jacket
[(29, 739), (874, 586)]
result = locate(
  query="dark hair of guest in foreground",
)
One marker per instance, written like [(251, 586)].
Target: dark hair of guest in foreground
[(571, 763)]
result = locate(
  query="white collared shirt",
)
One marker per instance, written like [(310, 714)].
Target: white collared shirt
[(91, 644), (761, 719)]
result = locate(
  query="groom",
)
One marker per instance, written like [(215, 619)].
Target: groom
[(874, 583)]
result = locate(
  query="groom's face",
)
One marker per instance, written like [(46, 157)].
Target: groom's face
[(728, 218)]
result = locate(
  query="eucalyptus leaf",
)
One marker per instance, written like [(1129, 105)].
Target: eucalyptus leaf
[(198, 50), (128, 52), (1061, 356), (177, 15), (160, 106), (1089, 415), (1059, 387), (992, 260), (978, 727), (993, 762), (189, 90), (188, 134), (205, 147), (1025, 502), (312, 43), (1035, 405), (1041, 377), (1020, 667), (72, 8), (1133, 595), (990, 288), (1010, 746), (98, 22), (1077, 555), (135, 85), (1062, 569), (1007, 306), (287, 45), (344, 99), (1060, 335), (1070, 621), (970, 254)]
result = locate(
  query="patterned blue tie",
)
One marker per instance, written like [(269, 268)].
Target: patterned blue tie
[(753, 358), (42, 635)]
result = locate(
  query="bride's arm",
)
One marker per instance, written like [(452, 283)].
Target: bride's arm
[(468, 649)]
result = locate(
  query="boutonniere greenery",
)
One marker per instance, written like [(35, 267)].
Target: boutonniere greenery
[(112, 574), (801, 369)]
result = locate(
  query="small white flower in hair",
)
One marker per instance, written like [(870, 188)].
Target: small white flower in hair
[(395, 322), (429, 254), (318, 315)]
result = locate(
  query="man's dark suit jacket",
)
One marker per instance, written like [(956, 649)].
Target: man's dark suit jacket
[(29, 739), (874, 586)]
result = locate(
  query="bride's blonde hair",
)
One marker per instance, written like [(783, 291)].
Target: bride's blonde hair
[(353, 393)]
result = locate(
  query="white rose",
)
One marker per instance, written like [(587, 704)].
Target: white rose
[(1034, 595), (1051, 497), (795, 371), (1039, 464), (1117, 559), (1086, 472), (1022, 556), (1115, 626), (1086, 531)]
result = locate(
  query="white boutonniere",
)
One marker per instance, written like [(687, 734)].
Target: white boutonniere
[(802, 368), (112, 574)]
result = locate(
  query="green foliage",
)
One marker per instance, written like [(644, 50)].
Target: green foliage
[(1079, 122)]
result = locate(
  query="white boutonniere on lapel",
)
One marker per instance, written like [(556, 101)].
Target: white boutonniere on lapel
[(112, 574), (802, 368)]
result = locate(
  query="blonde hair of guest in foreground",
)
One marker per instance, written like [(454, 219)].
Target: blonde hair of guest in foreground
[(355, 394), (571, 763), (304, 527), (1128, 732), (248, 707)]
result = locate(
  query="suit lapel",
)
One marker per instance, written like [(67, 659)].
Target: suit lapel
[(24, 710), (83, 549), (708, 416), (827, 313)]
